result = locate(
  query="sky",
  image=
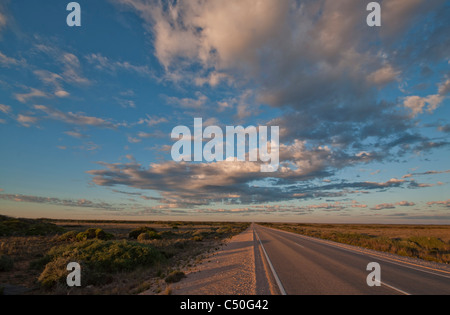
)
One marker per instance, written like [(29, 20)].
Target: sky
[(86, 113)]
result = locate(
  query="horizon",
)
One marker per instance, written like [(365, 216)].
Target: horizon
[(87, 112)]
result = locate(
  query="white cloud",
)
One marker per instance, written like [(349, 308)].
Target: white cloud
[(75, 134), (9, 61), (383, 75), (24, 97), (134, 140), (418, 104), (26, 120), (62, 93), (70, 66), (75, 118), (189, 103), (104, 63), (5, 108)]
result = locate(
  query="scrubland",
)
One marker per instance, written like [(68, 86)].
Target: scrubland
[(116, 257)]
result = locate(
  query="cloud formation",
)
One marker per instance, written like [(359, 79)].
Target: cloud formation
[(83, 203), (75, 118)]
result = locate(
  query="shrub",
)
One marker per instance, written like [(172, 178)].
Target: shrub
[(68, 236), (6, 263), (98, 259), (143, 237), (90, 234), (102, 235), (136, 232), (27, 227), (151, 235), (175, 276)]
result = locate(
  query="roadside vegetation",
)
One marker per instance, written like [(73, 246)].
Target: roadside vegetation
[(116, 257), (427, 242)]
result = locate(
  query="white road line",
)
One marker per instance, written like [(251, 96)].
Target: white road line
[(394, 288), (280, 286)]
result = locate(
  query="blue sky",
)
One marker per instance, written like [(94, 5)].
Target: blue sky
[(86, 112)]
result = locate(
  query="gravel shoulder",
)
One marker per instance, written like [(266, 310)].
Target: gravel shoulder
[(228, 271)]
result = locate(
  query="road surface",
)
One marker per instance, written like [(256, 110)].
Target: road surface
[(303, 265)]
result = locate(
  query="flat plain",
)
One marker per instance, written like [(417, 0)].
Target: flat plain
[(132, 257)]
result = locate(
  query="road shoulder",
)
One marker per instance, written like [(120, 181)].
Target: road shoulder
[(228, 271)]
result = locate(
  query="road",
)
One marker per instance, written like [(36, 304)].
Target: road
[(303, 265)]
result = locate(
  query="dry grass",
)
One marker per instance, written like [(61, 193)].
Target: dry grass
[(427, 242)]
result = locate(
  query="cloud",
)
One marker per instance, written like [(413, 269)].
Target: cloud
[(152, 121), (76, 134), (444, 128), (101, 62), (134, 140), (70, 65), (383, 206), (26, 121), (2, 21), (83, 203), (417, 104), (426, 173), (188, 103), (405, 203), (54, 80), (75, 118), (62, 93), (24, 97), (126, 103), (6, 61), (445, 203), (383, 75), (234, 182), (415, 184), (312, 59), (5, 109), (404, 13)]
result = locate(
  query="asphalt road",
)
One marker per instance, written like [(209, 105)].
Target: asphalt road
[(303, 265)]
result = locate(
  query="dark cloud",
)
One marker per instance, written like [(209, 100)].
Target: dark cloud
[(83, 203)]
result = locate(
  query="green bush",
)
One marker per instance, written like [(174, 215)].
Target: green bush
[(102, 235), (90, 234), (68, 236), (136, 232), (98, 259), (151, 235), (6, 263)]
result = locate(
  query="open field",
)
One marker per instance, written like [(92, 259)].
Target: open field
[(427, 242), (116, 257)]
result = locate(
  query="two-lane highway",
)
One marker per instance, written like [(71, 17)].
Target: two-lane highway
[(305, 265)]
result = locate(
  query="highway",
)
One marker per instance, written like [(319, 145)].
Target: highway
[(301, 265)]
